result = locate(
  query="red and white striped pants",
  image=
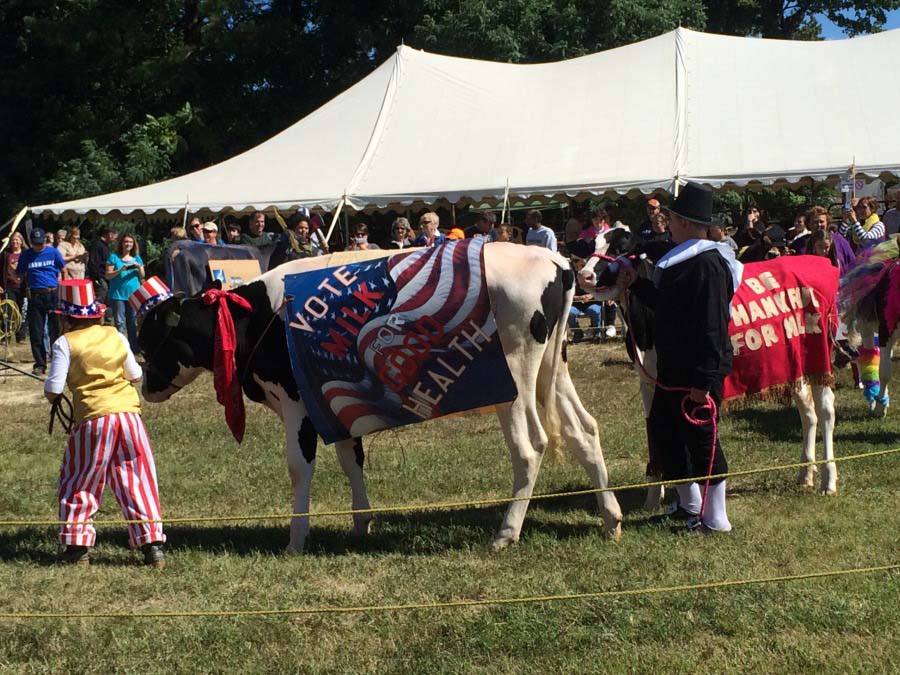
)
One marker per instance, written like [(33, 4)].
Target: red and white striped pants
[(113, 447)]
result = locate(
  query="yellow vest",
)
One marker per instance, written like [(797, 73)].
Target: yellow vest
[(97, 374)]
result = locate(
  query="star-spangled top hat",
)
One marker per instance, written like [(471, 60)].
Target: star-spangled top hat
[(77, 301), (152, 292)]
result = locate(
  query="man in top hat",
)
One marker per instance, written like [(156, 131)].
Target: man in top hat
[(691, 293), (41, 266), (108, 441)]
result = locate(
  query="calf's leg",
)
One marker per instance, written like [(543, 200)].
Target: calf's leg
[(351, 457), (520, 424), (301, 440), (803, 398), (579, 429), (884, 375), (824, 402)]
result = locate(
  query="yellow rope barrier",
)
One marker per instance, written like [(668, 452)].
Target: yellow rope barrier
[(448, 604), (445, 505)]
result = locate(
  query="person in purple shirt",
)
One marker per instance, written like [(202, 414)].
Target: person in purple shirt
[(41, 266)]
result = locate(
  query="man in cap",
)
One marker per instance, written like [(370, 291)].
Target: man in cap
[(691, 292), (41, 266), (210, 233)]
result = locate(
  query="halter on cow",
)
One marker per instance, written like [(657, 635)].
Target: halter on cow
[(814, 400), (531, 291)]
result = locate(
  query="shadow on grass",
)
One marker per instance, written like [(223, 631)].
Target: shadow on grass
[(777, 424), (414, 533)]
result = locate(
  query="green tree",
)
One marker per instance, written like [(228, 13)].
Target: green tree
[(795, 19)]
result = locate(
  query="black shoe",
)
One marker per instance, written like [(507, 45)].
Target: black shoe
[(577, 336), (694, 525), (75, 555), (153, 555), (38, 370), (673, 514)]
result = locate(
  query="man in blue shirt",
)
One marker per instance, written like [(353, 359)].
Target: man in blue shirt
[(538, 234), (41, 266)]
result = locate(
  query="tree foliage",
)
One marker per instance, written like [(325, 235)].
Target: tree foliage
[(95, 91)]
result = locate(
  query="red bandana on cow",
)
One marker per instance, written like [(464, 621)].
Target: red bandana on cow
[(228, 387), (782, 318)]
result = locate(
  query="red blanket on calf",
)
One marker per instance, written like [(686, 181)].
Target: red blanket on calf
[(782, 318)]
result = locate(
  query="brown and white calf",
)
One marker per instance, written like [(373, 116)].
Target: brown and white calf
[(815, 402), (531, 291)]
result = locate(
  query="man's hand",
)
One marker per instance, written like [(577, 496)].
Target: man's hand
[(698, 395), (587, 297), (626, 276)]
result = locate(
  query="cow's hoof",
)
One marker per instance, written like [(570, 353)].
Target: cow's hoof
[(829, 492), (293, 550), (363, 528), (880, 410), (615, 533), (500, 543), (807, 477)]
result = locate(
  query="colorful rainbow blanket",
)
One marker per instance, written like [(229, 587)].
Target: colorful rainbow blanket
[(782, 318)]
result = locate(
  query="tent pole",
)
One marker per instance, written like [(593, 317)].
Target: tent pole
[(505, 203), (334, 218), (184, 220), (15, 224)]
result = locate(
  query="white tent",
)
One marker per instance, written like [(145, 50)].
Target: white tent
[(681, 106)]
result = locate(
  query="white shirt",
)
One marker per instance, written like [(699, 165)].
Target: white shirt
[(61, 358)]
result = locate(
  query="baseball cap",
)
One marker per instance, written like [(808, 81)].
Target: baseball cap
[(210, 226), (38, 236), (653, 202)]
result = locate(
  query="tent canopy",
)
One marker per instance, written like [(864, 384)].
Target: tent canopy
[(682, 106)]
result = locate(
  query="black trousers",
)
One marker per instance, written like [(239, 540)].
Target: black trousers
[(40, 313), (683, 449)]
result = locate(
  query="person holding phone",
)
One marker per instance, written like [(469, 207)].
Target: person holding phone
[(124, 273)]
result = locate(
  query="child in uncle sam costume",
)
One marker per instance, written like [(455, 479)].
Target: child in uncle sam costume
[(108, 441)]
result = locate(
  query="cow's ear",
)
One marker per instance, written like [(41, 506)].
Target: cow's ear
[(168, 310)]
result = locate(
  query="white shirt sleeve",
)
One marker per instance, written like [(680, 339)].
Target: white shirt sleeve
[(59, 367), (132, 369)]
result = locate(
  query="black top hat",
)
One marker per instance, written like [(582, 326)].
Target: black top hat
[(694, 203)]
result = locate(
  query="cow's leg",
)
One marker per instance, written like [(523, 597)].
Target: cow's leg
[(656, 494), (521, 426), (579, 429), (352, 458), (301, 440), (824, 402), (803, 398)]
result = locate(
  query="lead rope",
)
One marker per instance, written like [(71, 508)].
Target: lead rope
[(61, 410)]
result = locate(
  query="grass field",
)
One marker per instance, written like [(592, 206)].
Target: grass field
[(839, 625)]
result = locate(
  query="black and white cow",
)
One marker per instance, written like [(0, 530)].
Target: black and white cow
[(814, 402), (531, 291)]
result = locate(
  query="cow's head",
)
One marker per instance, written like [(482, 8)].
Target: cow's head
[(176, 338), (596, 274)]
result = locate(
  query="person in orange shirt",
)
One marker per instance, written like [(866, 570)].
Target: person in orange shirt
[(108, 441)]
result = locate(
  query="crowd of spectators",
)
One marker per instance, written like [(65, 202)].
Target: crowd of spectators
[(30, 271)]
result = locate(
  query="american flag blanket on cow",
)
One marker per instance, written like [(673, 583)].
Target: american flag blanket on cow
[(782, 320), (397, 340)]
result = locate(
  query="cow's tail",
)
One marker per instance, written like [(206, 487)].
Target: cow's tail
[(552, 420)]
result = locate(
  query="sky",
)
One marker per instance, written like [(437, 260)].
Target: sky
[(832, 32)]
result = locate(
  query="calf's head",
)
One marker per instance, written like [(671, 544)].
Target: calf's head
[(176, 338)]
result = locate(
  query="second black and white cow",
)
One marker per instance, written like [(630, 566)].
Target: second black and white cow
[(531, 291)]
